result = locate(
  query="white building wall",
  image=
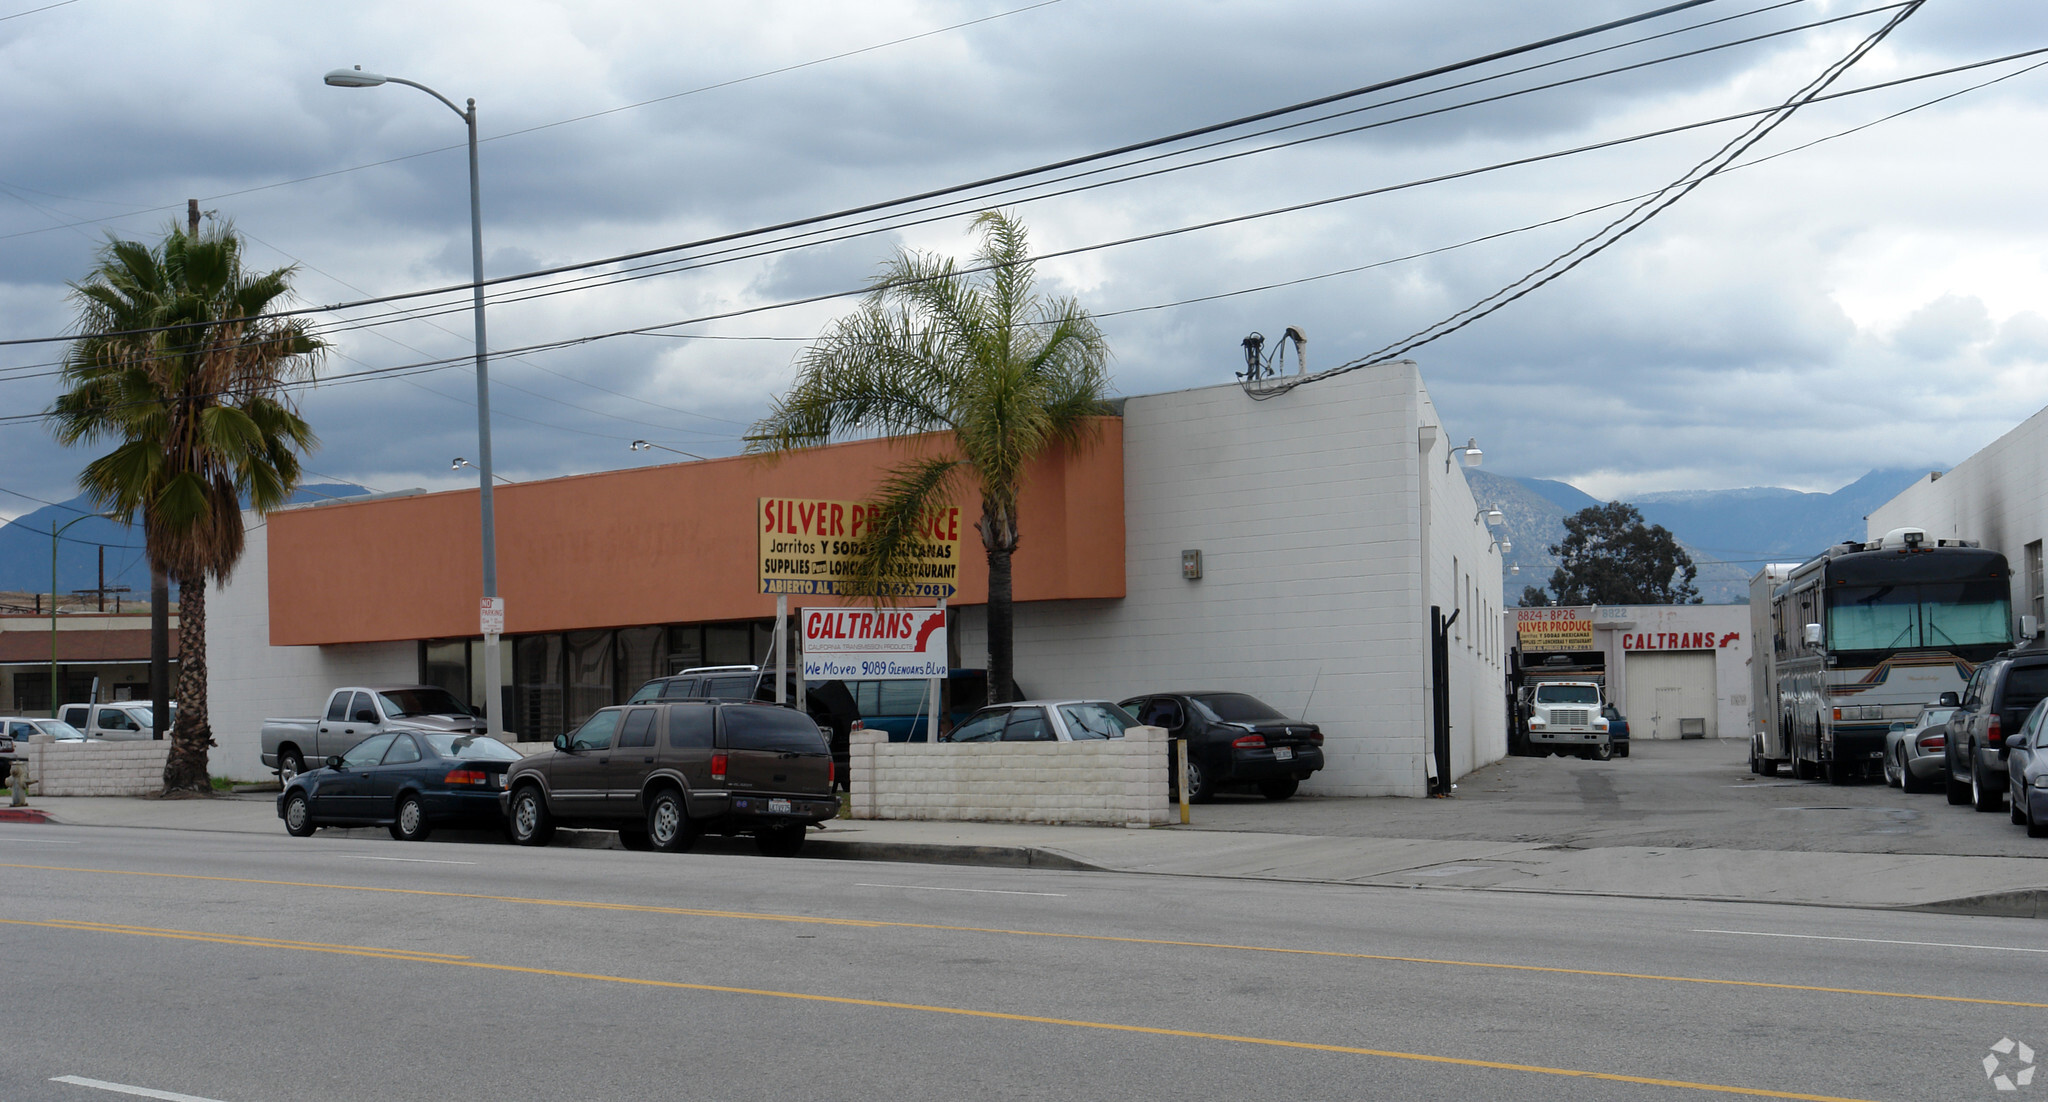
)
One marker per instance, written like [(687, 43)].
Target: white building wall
[(249, 680), (1306, 511), (1997, 497)]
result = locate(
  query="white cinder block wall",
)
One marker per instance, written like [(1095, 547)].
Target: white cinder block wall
[(249, 680), (1306, 509)]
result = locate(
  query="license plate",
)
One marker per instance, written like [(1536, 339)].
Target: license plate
[(778, 807), (1283, 753)]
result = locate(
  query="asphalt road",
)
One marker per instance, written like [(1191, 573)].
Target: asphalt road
[(245, 968), (1697, 794)]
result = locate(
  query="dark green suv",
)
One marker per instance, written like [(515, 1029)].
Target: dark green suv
[(662, 774)]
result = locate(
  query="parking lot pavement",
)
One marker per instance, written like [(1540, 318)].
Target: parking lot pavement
[(1665, 795)]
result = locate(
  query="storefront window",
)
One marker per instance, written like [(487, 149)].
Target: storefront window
[(729, 644), (537, 661), (590, 672)]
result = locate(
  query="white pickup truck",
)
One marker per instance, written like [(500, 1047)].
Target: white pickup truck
[(354, 713), (123, 720), (1565, 718)]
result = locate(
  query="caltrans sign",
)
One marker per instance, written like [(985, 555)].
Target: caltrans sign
[(890, 644)]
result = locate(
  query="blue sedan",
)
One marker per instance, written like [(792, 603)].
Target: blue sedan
[(411, 781)]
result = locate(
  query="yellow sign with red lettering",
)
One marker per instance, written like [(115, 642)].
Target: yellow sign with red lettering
[(808, 547), (1552, 629)]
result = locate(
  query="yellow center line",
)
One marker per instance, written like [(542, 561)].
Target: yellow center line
[(955, 1011), (693, 912)]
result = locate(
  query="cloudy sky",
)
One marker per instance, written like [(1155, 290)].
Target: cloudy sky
[(1873, 300)]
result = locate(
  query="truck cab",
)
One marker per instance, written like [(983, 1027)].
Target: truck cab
[(1566, 717), (127, 720)]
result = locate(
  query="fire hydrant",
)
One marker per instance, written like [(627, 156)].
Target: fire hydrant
[(17, 780)]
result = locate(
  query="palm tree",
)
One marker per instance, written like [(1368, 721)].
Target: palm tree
[(179, 370), (975, 353)]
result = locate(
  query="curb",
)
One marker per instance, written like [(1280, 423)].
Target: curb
[(24, 815), (926, 853), (2025, 903)]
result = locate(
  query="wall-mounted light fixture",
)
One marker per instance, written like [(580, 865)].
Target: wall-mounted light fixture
[(1471, 452), (1493, 516), (1505, 544), (1191, 565)]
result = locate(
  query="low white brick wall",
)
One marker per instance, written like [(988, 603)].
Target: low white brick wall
[(1114, 782), (95, 768)]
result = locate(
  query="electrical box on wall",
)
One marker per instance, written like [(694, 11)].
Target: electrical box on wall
[(1191, 565)]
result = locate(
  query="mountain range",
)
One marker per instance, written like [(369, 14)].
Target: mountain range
[(25, 547), (1728, 533)]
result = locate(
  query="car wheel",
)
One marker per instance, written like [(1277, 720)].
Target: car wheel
[(780, 841), (1200, 788), (2017, 800), (289, 765), (1756, 758), (1279, 789), (2035, 827), (668, 823), (1621, 751), (1602, 752), (1803, 770), (411, 824), (1891, 771), (1907, 781), (1982, 796), (531, 825), (1958, 791), (298, 816)]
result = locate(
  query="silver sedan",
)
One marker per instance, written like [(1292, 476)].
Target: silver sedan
[(1913, 751)]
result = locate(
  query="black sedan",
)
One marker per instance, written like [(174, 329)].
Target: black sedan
[(411, 781), (1234, 739)]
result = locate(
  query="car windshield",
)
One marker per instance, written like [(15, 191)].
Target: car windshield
[(1933, 716), (421, 702), (470, 747), (57, 728), (1095, 719), (1235, 707), (1567, 694)]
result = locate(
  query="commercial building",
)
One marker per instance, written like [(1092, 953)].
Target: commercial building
[(1293, 548), (1997, 498), (1676, 671), (103, 649)]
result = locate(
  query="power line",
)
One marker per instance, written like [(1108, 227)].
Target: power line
[(1150, 143)]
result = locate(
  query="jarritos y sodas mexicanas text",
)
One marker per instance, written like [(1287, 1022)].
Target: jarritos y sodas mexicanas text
[(809, 547)]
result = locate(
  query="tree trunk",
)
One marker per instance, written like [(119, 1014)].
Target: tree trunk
[(999, 538), (159, 649), (185, 768)]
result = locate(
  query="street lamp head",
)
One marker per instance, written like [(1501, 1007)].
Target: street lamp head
[(354, 78), (458, 464), (639, 445)]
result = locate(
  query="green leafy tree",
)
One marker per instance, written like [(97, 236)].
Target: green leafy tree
[(977, 354), (177, 370), (1533, 596), (1610, 557)]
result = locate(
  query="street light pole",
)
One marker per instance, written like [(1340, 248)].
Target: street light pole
[(492, 618)]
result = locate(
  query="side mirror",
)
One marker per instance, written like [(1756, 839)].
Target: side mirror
[(363, 715), (334, 761), (1948, 700), (561, 742), (1813, 635)]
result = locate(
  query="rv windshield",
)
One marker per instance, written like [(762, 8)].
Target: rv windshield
[(1941, 614)]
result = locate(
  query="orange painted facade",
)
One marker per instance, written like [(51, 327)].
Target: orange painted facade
[(651, 545)]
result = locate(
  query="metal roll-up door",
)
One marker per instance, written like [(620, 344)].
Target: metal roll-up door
[(1671, 695)]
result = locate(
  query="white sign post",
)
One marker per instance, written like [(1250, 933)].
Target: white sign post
[(491, 620)]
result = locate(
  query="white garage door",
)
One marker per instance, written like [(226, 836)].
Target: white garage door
[(1665, 690)]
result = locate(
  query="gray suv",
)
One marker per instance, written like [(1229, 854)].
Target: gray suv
[(662, 774), (1995, 703)]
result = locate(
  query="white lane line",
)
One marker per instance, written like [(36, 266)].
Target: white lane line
[(980, 891), (408, 860), (1877, 941), (123, 1088), (44, 841)]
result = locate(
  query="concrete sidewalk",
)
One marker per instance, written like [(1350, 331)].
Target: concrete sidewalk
[(2011, 886)]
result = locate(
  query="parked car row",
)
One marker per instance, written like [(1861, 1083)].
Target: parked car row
[(665, 768), (1987, 746)]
